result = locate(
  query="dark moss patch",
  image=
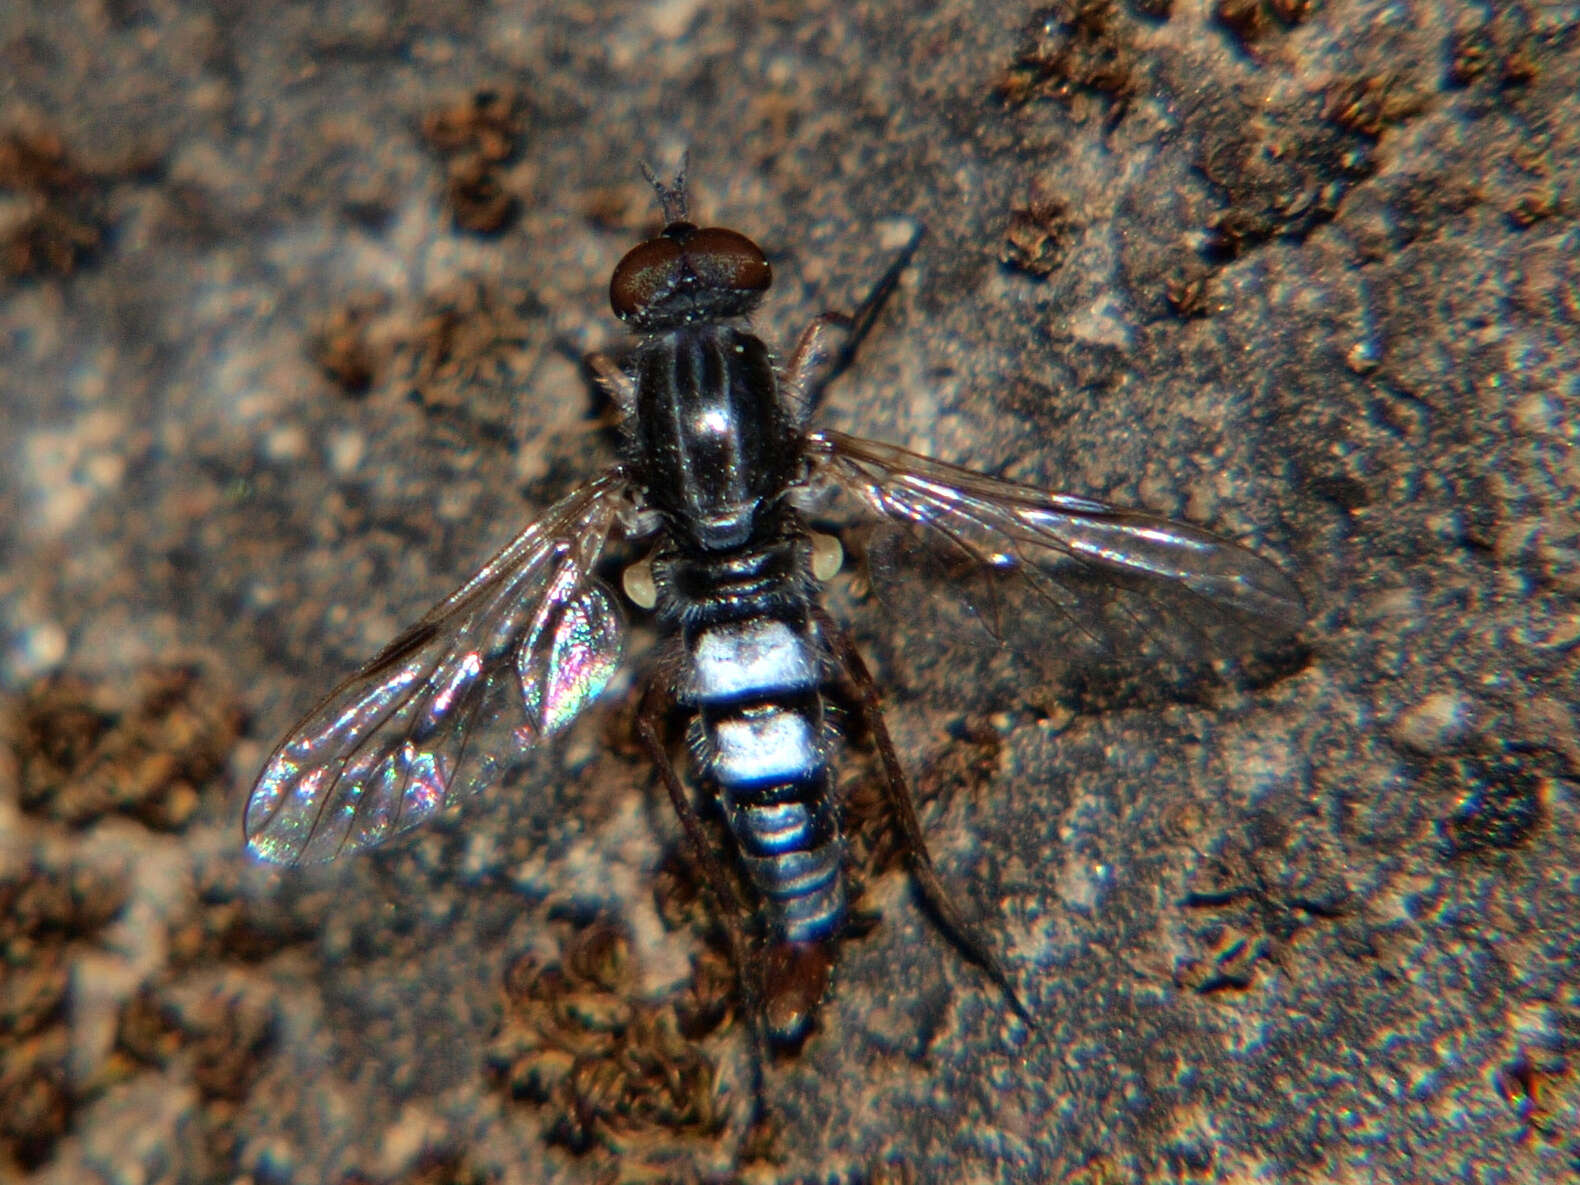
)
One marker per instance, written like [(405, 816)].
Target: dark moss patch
[(1251, 22), (475, 138), (149, 748), (611, 1072), (1282, 177), (1498, 799), (43, 909), (1073, 48), (1038, 236)]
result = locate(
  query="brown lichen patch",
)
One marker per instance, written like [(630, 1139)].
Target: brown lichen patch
[(656, 1086), (1039, 233), (677, 893), (32, 992), (40, 904), (468, 354), (1100, 1169), (1253, 21), (872, 838), (1518, 67), (35, 1099), (228, 1041), (54, 219), (42, 910), (148, 748), (611, 1070), (219, 1041), (1070, 49), (1372, 103), (1536, 203), (477, 198), (1499, 51), (1471, 55), (708, 1002), (1282, 177), (346, 346), (1497, 791), (685, 901), (232, 924), (444, 1167), (223, 1039), (891, 1171), (464, 354), (1189, 292), (475, 138), (967, 762), (147, 1031), (487, 122)]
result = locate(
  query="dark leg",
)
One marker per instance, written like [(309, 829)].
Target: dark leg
[(602, 372), (650, 717), (960, 932), (618, 385), (818, 360)]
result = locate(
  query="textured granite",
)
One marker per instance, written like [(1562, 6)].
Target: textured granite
[(1305, 273)]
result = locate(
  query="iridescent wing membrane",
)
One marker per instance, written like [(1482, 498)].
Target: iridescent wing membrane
[(1027, 563), (534, 629)]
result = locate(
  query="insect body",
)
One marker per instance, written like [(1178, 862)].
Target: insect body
[(717, 450), (718, 469)]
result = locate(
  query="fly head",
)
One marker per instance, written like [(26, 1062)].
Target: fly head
[(688, 274)]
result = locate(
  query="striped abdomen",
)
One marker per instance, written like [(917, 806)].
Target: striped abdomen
[(754, 675)]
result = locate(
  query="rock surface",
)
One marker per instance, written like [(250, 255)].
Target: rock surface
[(291, 299)]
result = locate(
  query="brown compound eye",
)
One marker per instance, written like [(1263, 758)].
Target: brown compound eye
[(688, 273), (647, 272), (727, 259)]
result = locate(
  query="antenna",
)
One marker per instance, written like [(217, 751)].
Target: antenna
[(671, 198)]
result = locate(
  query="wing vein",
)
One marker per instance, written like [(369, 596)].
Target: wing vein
[(382, 751)]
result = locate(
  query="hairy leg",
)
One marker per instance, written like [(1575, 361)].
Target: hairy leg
[(897, 790)]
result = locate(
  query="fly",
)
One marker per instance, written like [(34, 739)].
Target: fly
[(718, 474)]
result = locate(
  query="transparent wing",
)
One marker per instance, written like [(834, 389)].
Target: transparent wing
[(1026, 561), (380, 753)]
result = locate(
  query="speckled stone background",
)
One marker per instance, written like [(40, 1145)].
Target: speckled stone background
[(292, 299)]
